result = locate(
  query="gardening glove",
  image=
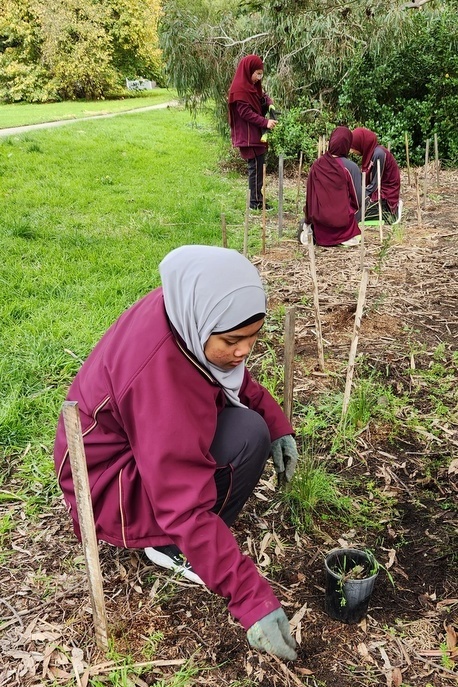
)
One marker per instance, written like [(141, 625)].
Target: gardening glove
[(272, 634), (284, 454)]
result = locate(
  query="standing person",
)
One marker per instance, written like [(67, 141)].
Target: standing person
[(334, 194), (177, 433), (248, 105), (365, 143)]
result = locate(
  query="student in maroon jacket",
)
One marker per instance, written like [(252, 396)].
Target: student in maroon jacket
[(365, 143), (248, 105), (177, 433), (334, 194)]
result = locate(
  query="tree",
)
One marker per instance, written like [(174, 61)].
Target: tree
[(58, 49)]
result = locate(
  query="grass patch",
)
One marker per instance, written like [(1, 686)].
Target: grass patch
[(87, 213)]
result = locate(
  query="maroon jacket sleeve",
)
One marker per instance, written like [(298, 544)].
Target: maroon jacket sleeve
[(246, 112), (256, 397)]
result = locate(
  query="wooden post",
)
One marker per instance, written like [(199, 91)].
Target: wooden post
[(264, 173), (354, 342), (436, 158), (281, 160), (86, 519), (363, 216), (319, 146), (299, 174), (223, 230), (379, 191), (316, 302), (417, 190), (247, 221), (288, 374), (407, 157), (425, 186)]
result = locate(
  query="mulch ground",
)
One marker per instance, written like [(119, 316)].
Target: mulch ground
[(409, 634)]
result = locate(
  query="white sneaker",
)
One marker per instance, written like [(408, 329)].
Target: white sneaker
[(170, 557), (354, 241), (400, 206)]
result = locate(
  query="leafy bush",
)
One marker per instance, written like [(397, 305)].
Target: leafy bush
[(414, 89)]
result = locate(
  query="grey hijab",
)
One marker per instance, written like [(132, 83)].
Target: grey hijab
[(209, 290)]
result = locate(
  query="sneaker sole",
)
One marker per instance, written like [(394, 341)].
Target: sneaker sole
[(165, 562)]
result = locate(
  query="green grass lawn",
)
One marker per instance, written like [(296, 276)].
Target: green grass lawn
[(21, 114), (87, 212)]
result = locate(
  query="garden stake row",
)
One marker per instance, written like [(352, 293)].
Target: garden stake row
[(316, 302), (407, 157), (86, 519), (223, 230), (363, 216), (354, 342), (417, 189), (280, 195), (299, 174), (288, 364), (379, 193), (264, 173), (425, 187), (247, 220)]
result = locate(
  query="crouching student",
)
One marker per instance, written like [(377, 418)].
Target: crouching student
[(365, 143), (177, 432), (334, 194)]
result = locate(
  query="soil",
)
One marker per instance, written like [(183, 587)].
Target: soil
[(409, 634)]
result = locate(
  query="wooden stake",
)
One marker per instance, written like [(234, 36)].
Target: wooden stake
[(288, 374), (417, 189), (425, 185), (316, 302), (354, 342), (407, 157), (264, 173), (299, 174), (247, 221), (223, 230), (363, 217), (379, 187), (280, 195), (86, 519), (436, 158)]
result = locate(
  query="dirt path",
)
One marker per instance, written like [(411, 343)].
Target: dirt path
[(12, 131)]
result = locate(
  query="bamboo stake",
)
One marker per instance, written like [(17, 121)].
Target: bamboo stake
[(281, 160), (86, 519), (363, 217), (247, 221), (379, 187), (417, 189), (436, 158), (299, 174), (319, 146), (223, 230), (354, 342), (407, 157), (316, 302), (425, 186), (288, 374), (264, 171)]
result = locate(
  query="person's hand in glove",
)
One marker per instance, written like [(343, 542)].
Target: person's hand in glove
[(284, 454), (272, 634)]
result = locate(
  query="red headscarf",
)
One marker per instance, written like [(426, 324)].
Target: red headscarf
[(242, 88), (327, 200), (340, 141), (364, 141)]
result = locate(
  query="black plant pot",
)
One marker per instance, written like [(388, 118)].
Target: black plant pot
[(348, 599)]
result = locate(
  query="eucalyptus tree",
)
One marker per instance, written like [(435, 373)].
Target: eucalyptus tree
[(308, 46)]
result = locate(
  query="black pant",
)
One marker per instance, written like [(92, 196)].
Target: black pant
[(255, 174), (240, 448), (372, 211)]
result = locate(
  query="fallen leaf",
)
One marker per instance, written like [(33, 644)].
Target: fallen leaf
[(451, 637), (396, 677), (453, 467)]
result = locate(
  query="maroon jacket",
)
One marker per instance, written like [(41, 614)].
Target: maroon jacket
[(148, 415), (246, 128)]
